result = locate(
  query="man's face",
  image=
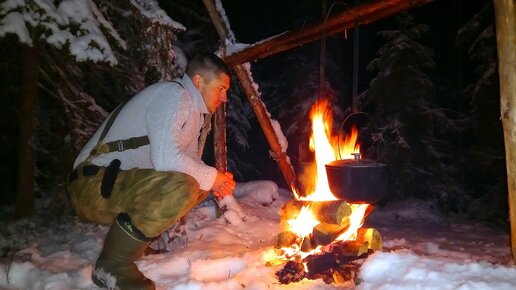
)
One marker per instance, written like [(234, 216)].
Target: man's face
[(213, 91)]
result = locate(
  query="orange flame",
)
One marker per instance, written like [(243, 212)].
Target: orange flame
[(326, 148)]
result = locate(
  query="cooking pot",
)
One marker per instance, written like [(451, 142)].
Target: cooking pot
[(358, 180)]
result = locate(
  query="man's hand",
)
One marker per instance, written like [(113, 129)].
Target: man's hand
[(223, 185)]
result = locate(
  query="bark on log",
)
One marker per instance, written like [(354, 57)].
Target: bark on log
[(219, 139), (263, 118), (505, 12), (358, 15), (26, 153)]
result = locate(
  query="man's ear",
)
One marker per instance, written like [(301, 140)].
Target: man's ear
[(197, 80)]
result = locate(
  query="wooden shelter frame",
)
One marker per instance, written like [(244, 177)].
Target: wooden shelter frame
[(505, 13)]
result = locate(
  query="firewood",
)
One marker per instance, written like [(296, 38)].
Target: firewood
[(331, 212), (307, 245), (371, 236), (324, 234), (285, 239)]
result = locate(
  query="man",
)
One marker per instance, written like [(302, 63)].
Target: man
[(141, 172)]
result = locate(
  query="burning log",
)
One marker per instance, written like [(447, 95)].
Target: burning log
[(285, 239), (307, 245), (324, 234), (330, 212)]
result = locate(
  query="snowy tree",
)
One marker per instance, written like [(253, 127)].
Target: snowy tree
[(93, 54), (408, 129)]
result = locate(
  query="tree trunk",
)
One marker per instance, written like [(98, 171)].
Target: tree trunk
[(505, 11), (26, 152)]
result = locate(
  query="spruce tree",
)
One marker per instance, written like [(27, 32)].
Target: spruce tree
[(408, 128)]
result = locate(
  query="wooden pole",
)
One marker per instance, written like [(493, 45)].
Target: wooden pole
[(263, 118), (358, 15), (505, 12), (255, 101), (219, 120)]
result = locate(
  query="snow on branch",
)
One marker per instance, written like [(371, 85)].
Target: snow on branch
[(151, 10), (70, 25)]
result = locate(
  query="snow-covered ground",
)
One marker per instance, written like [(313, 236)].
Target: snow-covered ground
[(422, 250)]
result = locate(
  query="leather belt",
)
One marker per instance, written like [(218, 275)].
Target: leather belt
[(87, 170)]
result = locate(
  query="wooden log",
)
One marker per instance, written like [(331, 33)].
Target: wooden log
[(307, 245), (324, 234), (265, 122), (358, 15), (370, 236), (219, 127), (255, 101), (331, 212), (505, 12), (219, 139), (285, 239)]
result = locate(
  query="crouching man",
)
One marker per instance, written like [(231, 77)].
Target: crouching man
[(141, 172)]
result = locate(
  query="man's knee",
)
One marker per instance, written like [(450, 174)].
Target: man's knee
[(170, 196)]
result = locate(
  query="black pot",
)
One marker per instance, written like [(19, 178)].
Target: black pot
[(358, 181)]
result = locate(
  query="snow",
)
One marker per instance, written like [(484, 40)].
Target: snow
[(423, 249), (78, 23), (151, 10)]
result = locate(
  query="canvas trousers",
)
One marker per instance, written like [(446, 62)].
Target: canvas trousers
[(154, 200)]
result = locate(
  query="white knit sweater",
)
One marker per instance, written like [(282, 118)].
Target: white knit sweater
[(172, 118)]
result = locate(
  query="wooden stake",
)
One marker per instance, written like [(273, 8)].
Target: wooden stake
[(505, 12), (219, 127)]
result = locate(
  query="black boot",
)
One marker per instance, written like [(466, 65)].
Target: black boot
[(115, 268)]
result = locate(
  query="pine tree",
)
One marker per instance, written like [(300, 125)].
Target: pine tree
[(408, 128)]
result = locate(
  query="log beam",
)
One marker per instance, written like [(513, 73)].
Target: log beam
[(505, 13), (358, 15)]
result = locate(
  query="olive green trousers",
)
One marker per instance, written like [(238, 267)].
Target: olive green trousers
[(154, 200)]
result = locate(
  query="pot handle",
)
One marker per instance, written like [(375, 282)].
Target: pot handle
[(344, 122)]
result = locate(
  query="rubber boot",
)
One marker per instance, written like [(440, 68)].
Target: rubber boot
[(115, 268)]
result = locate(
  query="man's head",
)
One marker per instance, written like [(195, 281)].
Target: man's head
[(211, 77)]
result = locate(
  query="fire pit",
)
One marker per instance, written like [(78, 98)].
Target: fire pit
[(322, 234)]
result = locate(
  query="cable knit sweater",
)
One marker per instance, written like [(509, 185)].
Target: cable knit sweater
[(172, 117)]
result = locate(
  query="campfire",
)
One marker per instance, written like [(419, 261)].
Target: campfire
[(322, 234)]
